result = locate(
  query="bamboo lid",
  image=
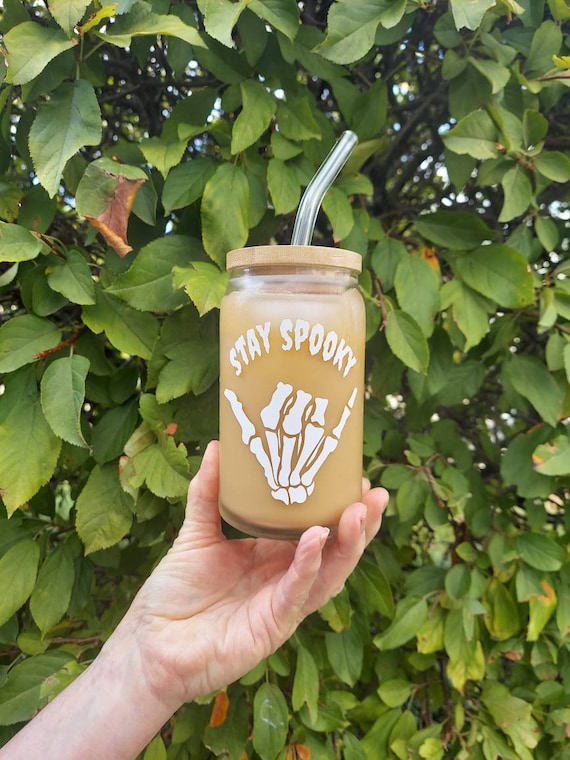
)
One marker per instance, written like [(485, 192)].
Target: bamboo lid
[(294, 255)]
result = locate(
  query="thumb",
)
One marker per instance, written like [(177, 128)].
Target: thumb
[(202, 520)]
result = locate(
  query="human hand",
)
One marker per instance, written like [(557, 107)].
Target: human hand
[(214, 608)]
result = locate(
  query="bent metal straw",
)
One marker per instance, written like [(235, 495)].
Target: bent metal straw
[(318, 186)]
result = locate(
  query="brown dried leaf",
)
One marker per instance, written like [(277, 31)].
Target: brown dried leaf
[(113, 221), (220, 709)]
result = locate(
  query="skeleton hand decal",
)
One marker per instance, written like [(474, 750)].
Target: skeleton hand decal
[(295, 445)]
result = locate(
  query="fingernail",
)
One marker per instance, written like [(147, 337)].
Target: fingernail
[(324, 536)]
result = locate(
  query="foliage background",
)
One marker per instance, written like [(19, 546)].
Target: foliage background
[(139, 142)]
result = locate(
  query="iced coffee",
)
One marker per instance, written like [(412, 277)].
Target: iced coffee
[(292, 331)]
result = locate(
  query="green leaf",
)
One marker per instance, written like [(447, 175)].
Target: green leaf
[(147, 285), (530, 377), (498, 272), (338, 208), (162, 152), (18, 570), (186, 183), (258, 109), (270, 721), (469, 13), (475, 135), (113, 430), (470, 311), (68, 13), (23, 338), (162, 467), (17, 243), (104, 514), (407, 341), (128, 330), (386, 257), (63, 395), (140, 21), (535, 128), (30, 449), (225, 212), (204, 284), (497, 74), (417, 290), (345, 652), (541, 552), (283, 186), (518, 193), (306, 683), (546, 42), (220, 17), (52, 592), (351, 28), (372, 587), (553, 458), (395, 692), (296, 120), (283, 15), (458, 581), (70, 120), (541, 609), (553, 165), (411, 614), (192, 368), (512, 715), (457, 230), (31, 47), (155, 749), (73, 279), (21, 695)]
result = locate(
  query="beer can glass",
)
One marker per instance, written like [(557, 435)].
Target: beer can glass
[(292, 333)]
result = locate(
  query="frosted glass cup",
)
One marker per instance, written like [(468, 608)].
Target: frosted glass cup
[(292, 332)]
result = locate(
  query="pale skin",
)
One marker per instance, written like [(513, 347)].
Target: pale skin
[(211, 610)]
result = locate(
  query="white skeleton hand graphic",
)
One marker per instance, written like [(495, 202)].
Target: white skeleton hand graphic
[(295, 445)]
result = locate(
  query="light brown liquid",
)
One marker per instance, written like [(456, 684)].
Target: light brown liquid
[(291, 409)]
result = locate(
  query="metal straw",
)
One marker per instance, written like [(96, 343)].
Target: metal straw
[(317, 187)]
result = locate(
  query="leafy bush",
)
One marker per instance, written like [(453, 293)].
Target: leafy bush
[(139, 142)]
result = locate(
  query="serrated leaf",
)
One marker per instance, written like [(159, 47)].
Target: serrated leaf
[(52, 592), (220, 17), (162, 152), (530, 377), (73, 279), (475, 135), (351, 29), (338, 208), (18, 569), (22, 338), (283, 186), (63, 395), (225, 212), (31, 47), (140, 21), (470, 311), (186, 183), (204, 284), (130, 331), (296, 120), (21, 694), (411, 613), (192, 368), (518, 193), (30, 449), (497, 272), (283, 15), (103, 514), (147, 285), (162, 467), (270, 721), (68, 121), (68, 13), (407, 341), (258, 108), (469, 13), (417, 290), (17, 243), (457, 230)]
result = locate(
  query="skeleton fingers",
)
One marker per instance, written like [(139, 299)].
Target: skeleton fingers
[(293, 445)]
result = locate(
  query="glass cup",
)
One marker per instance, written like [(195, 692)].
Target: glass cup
[(292, 333)]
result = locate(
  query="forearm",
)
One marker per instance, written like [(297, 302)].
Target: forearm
[(108, 712)]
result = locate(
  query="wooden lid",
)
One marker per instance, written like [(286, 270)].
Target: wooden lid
[(294, 255)]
